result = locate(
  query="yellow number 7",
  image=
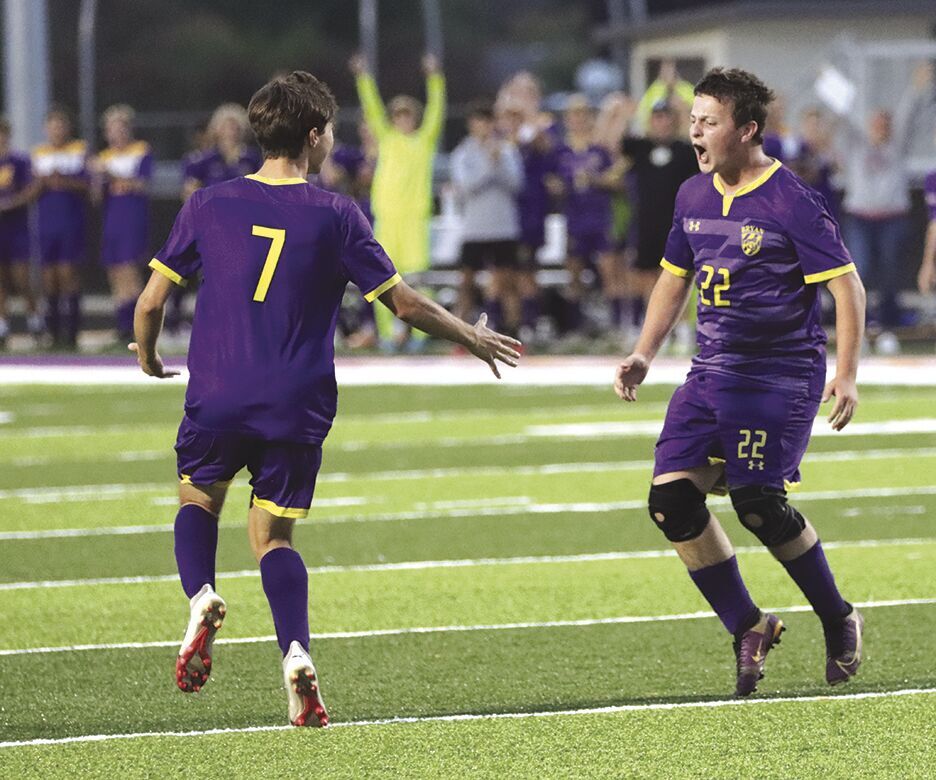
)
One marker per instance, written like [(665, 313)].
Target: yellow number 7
[(278, 238)]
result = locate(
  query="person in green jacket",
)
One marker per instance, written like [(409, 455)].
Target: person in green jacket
[(401, 195)]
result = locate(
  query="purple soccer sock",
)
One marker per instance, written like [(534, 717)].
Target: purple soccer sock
[(529, 312), (124, 317), (286, 584), (196, 543), (53, 316), (724, 589), (811, 572), (495, 313), (72, 317)]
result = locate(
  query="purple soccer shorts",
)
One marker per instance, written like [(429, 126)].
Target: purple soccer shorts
[(758, 425), (282, 474)]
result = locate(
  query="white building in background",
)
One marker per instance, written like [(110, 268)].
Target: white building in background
[(875, 44)]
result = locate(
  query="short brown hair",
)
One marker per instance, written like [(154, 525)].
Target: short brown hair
[(284, 111), (749, 96)]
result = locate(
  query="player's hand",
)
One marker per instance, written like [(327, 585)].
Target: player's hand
[(430, 64), (152, 365), (629, 374), (926, 279), (491, 346), (358, 64), (846, 401)]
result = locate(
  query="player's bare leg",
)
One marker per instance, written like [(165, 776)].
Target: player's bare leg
[(125, 287), (196, 540), (677, 505), (575, 291), (22, 283), (286, 584)]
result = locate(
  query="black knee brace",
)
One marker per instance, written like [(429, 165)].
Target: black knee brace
[(765, 512), (679, 509)]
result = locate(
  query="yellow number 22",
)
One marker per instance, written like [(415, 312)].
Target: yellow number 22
[(704, 284), (277, 237)]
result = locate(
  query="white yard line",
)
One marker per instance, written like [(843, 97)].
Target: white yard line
[(448, 371), (513, 505), (463, 717), (454, 629), (459, 563), (115, 491)]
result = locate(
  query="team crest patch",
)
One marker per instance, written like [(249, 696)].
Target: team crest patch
[(751, 237)]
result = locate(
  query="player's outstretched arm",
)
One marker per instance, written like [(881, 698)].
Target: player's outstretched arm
[(664, 309), (849, 295), (420, 312), (147, 325)]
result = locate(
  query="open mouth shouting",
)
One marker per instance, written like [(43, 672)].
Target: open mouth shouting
[(702, 155)]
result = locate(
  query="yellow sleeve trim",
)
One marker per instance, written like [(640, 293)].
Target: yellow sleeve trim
[(393, 281), (824, 276), (682, 273), (294, 513), (166, 271)]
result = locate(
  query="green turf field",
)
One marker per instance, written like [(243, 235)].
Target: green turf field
[(483, 568)]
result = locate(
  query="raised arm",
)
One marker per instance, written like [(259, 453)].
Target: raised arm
[(665, 307), (431, 126), (420, 312), (375, 114), (849, 295)]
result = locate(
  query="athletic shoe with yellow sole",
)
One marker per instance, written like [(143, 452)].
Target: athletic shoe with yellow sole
[(843, 648), (751, 650)]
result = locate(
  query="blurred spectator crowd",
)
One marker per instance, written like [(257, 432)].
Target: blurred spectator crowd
[(552, 222)]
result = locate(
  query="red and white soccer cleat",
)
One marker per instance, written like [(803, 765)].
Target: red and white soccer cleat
[(194, 662), (306, 707)]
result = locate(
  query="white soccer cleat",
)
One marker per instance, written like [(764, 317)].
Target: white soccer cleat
[(194, 662), (306, 707)]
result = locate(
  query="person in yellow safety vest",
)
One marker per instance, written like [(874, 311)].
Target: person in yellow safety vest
[(401, 195)]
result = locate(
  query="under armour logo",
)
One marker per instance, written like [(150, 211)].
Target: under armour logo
[(755, 464), (693, 226)]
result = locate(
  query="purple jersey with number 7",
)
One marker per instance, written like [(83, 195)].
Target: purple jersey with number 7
[(275, 257)]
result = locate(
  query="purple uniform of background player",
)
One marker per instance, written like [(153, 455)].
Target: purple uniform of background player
[(264, 369), (351, 158), (210, 167), (587, 207), (929, 192), (755, 387), (14, 224), (533, 200), (125, 234), (61, 211)]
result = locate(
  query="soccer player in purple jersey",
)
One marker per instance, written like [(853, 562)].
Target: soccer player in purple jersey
[(122, 176), (60, 171), (926, 278), (15, 177), (229, 156), (586, 177), (275, 254), (758, 243)]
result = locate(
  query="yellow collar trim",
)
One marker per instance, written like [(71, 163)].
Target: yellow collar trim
[(727, 200), (275, 182)]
